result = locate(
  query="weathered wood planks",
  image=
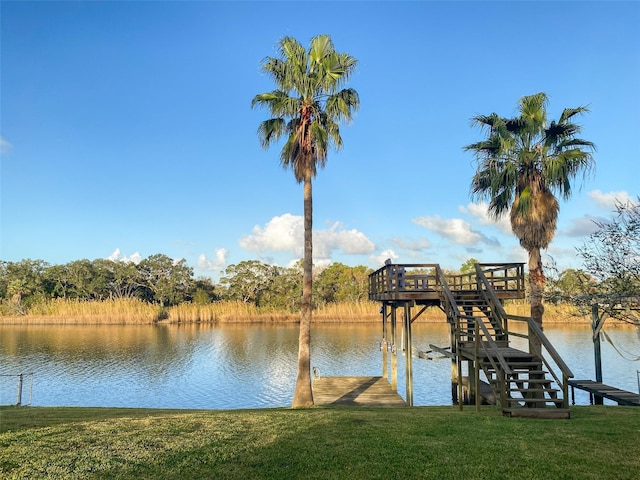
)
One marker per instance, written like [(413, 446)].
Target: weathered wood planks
[(355, 391), (623, 397)]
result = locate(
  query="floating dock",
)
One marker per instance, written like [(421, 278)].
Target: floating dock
[(598, 389)]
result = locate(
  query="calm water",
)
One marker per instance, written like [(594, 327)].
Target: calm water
[(221, 367)]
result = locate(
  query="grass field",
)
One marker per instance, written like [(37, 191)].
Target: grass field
[(599, 442)]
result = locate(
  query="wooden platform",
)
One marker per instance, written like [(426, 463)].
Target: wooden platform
[(355, 391), (623, 397)]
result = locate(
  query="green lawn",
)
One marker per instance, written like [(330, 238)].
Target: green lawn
[(319, 443)]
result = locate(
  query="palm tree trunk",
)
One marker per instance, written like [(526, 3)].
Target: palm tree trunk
[(537, 282), (303, 395)]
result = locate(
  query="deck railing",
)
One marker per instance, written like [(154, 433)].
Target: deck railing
[(507, 277), (423, 277), (409, 277)]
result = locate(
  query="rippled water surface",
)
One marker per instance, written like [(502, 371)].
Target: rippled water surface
[(245, 366)]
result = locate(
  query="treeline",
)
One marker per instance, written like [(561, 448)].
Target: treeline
[(162, 281)]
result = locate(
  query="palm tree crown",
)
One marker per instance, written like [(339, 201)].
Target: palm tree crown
[(521, 164), (307, 106), (524, 161)]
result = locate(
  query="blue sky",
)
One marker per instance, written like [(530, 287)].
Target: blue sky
[(126, 127)]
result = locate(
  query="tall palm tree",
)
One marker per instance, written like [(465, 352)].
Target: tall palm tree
[(307, 107), (522, 163)]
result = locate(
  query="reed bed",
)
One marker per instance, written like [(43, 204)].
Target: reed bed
[(228, 312), (134, 311), (130, 311), (553, 313)]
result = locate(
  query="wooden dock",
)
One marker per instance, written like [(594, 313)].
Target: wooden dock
[(623, 397), (355, 391)]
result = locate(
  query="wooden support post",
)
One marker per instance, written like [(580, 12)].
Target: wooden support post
[(384, 345), (476, 369), (472, 330), (596, 324), (394, 350), (408, 354), (454, 365)]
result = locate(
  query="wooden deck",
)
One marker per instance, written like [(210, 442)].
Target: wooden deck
[(355, 391), (623, 397), (419, 282), (508, 353)]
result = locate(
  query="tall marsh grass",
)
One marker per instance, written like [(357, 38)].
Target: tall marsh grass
[(61, 311), (553, 313), (134, 311), (227, 312)]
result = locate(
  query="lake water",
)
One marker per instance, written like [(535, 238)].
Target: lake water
[(245, 366)]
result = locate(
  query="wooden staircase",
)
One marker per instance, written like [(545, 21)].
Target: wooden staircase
[(523, 383)]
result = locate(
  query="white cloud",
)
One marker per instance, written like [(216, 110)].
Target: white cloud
[(384, 255), (455, 229), (117, 256), (282, 234), (481, 212), (608, 200), (516, 254), (412, 244), (5, 146), (213, 264), (286, 234), (582, 227), (351, 242)]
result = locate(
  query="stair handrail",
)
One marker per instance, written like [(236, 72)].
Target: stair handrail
[(450, 302), (490, 296), (544, 341), (453, 306), (534, 329), (501, 360)]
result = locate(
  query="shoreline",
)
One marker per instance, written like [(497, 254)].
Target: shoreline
[(136, 312), (279, 319)]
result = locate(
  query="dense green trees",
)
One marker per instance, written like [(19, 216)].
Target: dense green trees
[(159, 279), (24, 283)]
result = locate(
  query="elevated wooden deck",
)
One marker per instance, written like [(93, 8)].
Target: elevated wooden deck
[(623, 397), (420, 283), (523, 383), (358, 391)]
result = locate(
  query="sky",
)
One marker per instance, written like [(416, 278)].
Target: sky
[(126, 128)]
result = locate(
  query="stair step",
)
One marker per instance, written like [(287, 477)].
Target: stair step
[(517, 371), (525, 400), (534, 390), (539, 381), (560, 413)]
